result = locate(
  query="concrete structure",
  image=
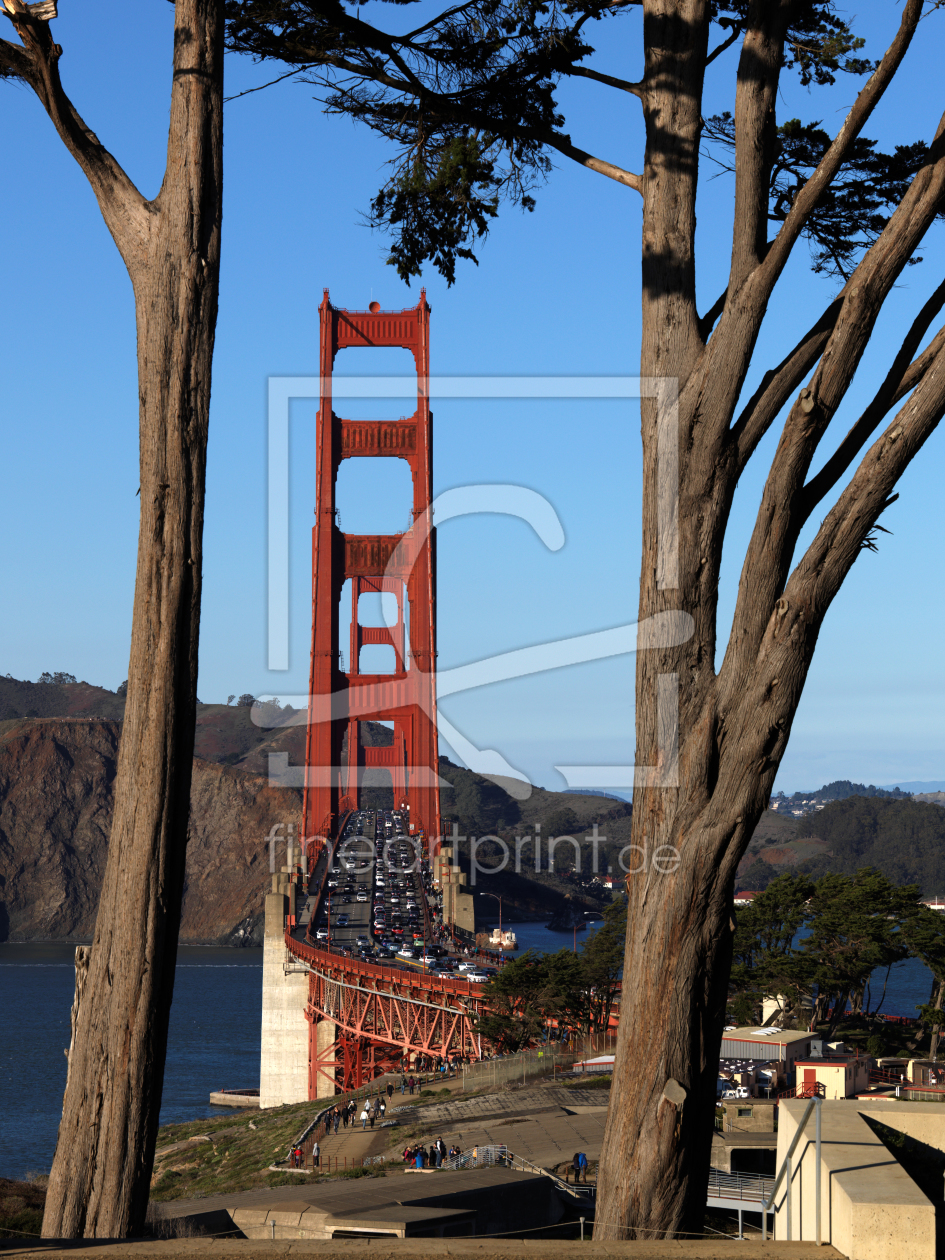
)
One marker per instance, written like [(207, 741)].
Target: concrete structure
[(747, 1115), (835, 1076), (871, 1209), (745, 1152), (458, 909), (438, 1205), (283, 1058)]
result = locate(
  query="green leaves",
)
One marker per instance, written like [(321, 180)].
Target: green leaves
[(434, 207), (800, 937), (571, 990), (856, 206)]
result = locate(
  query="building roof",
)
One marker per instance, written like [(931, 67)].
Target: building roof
[(765, 1036)]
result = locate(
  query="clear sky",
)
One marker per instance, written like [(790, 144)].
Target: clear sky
[(556, 293)]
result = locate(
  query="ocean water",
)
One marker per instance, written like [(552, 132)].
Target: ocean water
[(213, 1040)]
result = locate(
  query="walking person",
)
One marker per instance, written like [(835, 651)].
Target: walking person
[(345, 1117), (316, 1156), (336, 1121), (403, 1083), (390, 1090), (410, 1084), (364, 1117)]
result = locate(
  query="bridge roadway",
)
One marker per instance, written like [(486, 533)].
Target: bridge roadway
[(384, 1013)]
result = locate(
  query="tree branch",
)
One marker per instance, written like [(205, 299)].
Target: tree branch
[(808, 196), (123, 207), (14, 63), (779, 520), (892, 389), (707, 321), (759, 69), (563, 145), (821, 571), (623, 85), (726, 43), (778, 384)]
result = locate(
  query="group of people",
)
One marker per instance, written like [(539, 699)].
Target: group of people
[(434, 1157), (372, 1111)]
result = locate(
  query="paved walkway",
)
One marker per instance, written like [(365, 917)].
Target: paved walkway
[(416, 1249)]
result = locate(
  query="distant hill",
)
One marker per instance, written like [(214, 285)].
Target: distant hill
[(806, 802), (905, 839)]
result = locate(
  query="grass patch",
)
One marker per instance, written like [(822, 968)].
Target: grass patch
[(591, 1082), (21, 1208)]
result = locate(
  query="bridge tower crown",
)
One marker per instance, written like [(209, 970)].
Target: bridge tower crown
[(403, 565)]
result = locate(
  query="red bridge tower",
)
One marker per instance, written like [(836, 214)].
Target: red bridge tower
[(402, 564)]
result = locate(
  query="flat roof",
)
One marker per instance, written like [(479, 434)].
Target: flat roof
[(765, 1036)]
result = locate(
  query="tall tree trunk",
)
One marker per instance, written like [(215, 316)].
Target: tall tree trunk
[(100, 1177)]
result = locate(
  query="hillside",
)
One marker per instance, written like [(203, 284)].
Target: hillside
[(905, 839), (57, 774), (56, 795)]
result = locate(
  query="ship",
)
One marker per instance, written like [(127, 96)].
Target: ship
[(497, 939)]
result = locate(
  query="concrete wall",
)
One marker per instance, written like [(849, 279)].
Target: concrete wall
[(759, 1117), (283, 1059), (871, 1209), (457, 901)]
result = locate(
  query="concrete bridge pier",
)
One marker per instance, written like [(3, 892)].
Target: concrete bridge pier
[(284, 1044)]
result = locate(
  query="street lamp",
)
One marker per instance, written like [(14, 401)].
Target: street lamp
[(498, 898)]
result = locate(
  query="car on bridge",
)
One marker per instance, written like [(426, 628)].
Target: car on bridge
[(342, 920), (477, 977)]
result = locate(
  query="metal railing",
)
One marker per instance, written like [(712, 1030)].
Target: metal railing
[(502, 1157), (747, 1187), (815, 1105)]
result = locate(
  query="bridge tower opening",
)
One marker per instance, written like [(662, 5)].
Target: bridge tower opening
[(400, 565)]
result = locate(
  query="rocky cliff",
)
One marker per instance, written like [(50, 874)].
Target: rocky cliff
[(56, 785)]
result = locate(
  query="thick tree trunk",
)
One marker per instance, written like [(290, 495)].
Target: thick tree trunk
[(100, 1177)]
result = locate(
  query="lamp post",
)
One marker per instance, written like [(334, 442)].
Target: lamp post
[(498, 898)]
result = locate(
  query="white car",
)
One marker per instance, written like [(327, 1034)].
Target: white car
[(405, 953), (477, 977), (467, 965), (741, 1092), (321, 934)]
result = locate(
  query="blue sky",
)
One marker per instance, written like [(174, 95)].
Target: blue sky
[(556, 293)]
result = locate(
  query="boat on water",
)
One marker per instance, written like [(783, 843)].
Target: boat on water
[(497, 939)]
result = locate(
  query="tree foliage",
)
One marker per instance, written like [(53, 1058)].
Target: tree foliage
[(904, 839), (533, 995), (468, 100), (822, 939)]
